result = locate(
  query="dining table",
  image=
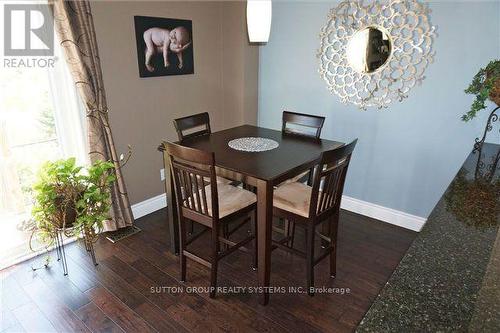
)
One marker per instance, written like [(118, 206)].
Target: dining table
[(262, 170)]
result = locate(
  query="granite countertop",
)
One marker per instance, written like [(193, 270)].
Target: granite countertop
[(449, 280)]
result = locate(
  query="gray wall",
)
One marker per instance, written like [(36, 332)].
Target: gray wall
[(406, 154)]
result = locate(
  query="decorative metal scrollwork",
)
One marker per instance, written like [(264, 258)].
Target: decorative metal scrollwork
[(493, 117), (405, 34)]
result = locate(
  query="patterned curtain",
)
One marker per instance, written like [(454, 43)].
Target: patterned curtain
[(75, 27)]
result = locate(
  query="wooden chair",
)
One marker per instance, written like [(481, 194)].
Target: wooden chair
[(212, 205), (303, 125), (310, 206), (191, 126), (195, 125)]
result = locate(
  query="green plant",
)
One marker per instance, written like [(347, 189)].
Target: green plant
[(483, 84), (70, 197)]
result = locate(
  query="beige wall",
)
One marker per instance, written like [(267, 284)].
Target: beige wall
[(142, 109)]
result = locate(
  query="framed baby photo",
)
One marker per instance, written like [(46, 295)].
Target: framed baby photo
[(164, 46)]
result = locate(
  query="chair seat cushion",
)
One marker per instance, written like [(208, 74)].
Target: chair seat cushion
[(295, 179), (231, 199), (220, 180), (293, 197)]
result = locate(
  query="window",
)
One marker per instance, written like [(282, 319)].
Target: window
[(41, 118)]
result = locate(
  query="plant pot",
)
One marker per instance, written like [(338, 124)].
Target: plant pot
[(66, 216), (495, 91)]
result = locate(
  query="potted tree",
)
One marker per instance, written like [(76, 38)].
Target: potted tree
[(485, 85), (71, 200)]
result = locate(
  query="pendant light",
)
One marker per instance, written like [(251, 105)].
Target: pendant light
[(259, 15)]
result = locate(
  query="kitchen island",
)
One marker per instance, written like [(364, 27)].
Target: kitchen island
[(449, 279)]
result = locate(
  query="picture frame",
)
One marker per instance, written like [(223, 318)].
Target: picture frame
[(164, 46)]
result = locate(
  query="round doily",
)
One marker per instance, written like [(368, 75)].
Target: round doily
[(253, 144)]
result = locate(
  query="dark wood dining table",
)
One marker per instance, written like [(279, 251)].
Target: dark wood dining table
[(263, 170)]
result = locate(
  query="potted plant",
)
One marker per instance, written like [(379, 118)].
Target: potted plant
[(71, 199), (485, 85)]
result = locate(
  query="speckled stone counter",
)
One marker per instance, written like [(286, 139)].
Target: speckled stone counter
[(449, 280)]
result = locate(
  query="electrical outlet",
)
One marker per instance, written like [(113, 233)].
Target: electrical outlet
[(162, 174)]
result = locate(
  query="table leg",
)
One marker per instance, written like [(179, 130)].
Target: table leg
[(264, 230), (171, 207)]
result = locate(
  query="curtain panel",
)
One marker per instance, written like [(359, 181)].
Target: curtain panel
[(74, 25)]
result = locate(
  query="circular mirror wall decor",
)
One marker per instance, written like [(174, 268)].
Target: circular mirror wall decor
[(374, 52)]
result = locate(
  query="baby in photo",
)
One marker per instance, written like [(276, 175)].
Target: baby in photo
[(160, 40)]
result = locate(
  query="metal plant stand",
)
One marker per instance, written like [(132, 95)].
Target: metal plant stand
[(61, 254), (89, 246), (486, 170), (489, 126), (88, 239)]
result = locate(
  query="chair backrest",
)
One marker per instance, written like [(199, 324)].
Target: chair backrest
[(191, 169), (313, 123), (328, 180), (200, 122)]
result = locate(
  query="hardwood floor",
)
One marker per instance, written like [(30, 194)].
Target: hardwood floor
[(127, 291)]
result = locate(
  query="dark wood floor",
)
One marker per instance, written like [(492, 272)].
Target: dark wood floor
[(120, 294)]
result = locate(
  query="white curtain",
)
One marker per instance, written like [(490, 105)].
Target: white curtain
[(69, 112)]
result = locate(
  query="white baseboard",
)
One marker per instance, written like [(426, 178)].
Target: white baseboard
[(149, 206), (384, 214), (361, 207)]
